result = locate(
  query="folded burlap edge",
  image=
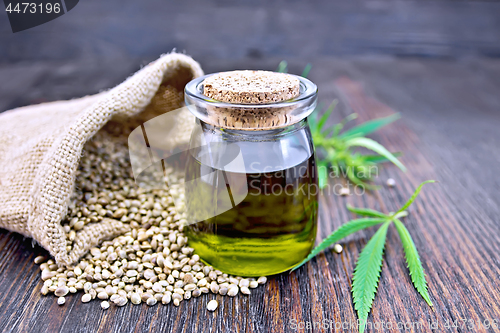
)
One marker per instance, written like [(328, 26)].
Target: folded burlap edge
[(51, 193)]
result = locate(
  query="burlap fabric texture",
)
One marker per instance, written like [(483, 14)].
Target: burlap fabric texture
[(41, 145)]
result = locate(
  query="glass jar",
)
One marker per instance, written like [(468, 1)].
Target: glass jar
[(251, 192)]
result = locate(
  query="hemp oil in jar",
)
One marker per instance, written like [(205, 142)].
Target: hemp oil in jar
[(251, 185)]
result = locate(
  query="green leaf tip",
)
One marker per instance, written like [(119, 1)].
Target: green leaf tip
[(415, 268), (306, 70), (376, 147), (378, 158), (366, 212), (326, 115), (414, 196), (369, 126), (282, 67), (367, 273)]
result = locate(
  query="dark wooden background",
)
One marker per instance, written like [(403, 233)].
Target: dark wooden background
[(449, 132), (257, 29), (436, 62)]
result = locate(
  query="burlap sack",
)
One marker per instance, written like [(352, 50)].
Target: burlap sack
[(40, 148)]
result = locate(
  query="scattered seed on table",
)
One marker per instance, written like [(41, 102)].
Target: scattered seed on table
[(135, 298), (245, 290), (61, 300), (197, 293), (337, 248), (166, 298), (102, 295), (105, 305), (151, 301), (38, 260), (233, 291), (47, 274), (262, 280), (344, 191), (86, 298), (244, 283), (61, 291), (214, 287), (212, 305), (121, 301), (391, 182)]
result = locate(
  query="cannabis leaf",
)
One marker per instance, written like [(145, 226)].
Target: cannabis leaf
[(335, 150), (338, 149), (367, 272), (413, 260)]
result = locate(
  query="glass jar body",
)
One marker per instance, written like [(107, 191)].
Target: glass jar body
[(251, 198)]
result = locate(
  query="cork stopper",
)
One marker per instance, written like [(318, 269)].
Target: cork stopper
[(251, 100), (251, 87)]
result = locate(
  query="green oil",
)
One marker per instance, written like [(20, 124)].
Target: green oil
[(257, 224)]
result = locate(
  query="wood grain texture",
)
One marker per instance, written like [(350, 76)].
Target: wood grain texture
[(449, 132), (118, 29)]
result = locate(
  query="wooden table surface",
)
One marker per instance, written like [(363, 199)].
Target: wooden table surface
[(449, 132)]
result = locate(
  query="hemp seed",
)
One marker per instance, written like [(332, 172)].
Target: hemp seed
[(150, 262), (104, 305), (212, 305)]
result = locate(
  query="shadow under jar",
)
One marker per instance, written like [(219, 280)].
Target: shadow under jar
[(251, 185)]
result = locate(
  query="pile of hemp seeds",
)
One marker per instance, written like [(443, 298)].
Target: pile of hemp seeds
[(150, 264)]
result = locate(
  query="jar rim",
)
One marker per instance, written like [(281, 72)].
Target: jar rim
[(289, 111), (307, 90)]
